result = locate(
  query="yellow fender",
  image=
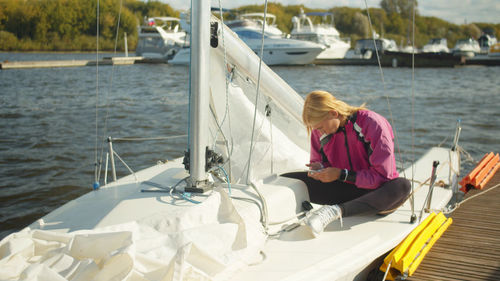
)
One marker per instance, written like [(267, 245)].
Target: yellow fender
[(406, 257)]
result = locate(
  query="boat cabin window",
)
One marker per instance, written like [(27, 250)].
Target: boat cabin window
[(250, 34), (307, 37), (367, 44), (437, 41), (148, 29)]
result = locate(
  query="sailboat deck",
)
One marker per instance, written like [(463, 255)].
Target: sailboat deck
[(470, 248)]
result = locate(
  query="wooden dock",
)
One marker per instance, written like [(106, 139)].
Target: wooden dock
[(470, 248), (390, 59), (76, 63), (483, 60), (400, 59)]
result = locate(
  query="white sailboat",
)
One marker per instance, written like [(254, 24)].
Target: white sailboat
[(245, 129)]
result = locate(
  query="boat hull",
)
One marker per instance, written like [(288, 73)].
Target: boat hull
[(347, 252), (275, 55)]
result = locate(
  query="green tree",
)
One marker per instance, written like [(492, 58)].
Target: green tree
[(402, 7), (361, 25), (472, 30), (72, 24)]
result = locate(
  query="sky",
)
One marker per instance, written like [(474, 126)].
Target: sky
[(455, 11)]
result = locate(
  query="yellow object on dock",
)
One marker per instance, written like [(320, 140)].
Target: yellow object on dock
[(406, 257)]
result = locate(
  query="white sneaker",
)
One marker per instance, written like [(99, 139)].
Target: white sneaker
[(319, 219)]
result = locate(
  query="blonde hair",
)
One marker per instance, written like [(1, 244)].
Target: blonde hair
[(319, 103)]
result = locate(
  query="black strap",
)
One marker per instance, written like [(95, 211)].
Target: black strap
[(323, 141), (347, 147), (326, 139), (360, 135)]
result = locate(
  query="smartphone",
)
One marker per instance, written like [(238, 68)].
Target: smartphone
[(315, 171)]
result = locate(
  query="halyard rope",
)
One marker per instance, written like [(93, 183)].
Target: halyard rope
[(257, 93)]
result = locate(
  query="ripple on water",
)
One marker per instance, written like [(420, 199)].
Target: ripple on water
[(48, 137)]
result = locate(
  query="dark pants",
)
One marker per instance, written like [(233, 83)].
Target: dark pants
[(353, 200)]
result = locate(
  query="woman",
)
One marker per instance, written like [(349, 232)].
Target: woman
[(352, 164)]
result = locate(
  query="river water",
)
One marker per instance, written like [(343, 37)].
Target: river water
[(48, 119)]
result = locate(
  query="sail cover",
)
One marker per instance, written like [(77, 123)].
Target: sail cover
[(207, 241)]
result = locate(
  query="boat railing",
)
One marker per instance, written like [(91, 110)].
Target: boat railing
[(110, 155)]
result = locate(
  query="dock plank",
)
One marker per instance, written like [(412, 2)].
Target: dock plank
[(470, 248), (78, 63)]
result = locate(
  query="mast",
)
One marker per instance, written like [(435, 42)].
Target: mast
[(199, 91)]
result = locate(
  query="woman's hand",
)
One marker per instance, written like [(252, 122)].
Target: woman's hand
[(315, 166), (325, 175)]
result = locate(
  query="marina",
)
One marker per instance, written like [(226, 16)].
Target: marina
[(130, 82), (77, 63), (389, 59), (161, 172)]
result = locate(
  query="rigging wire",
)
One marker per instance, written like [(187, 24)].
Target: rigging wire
[(458, 204), (106, 118), (383, 83), (147, 139), (413, 111), (96, 180), (257, 92), (412, 105), (226, 73), (226, 112)]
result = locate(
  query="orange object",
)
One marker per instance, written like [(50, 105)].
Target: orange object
[(482, 173), (489, 176)]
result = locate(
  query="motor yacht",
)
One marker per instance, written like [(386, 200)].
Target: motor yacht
[(365, 48), (436, 45), (318, 27), (269, 20), (277, 50), (486, 41), (160, 37), (466, 47)]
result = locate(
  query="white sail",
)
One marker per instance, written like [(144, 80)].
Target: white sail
[(280, 146)]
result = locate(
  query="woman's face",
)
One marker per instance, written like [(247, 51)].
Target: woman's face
[(330, 124)]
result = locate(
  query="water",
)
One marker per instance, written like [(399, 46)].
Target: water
[(48, 119)]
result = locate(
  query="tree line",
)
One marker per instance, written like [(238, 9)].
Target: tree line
[(71, 25)]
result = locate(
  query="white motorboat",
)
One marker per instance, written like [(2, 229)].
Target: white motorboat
[(466, 47), (436, 45), (321, 31), (486, 41), (408, 49), (223, 212), (277, 49), (259, 19), (160, 37), (366, 48)]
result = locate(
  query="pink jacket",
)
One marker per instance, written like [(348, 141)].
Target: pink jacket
[(371, 170)]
